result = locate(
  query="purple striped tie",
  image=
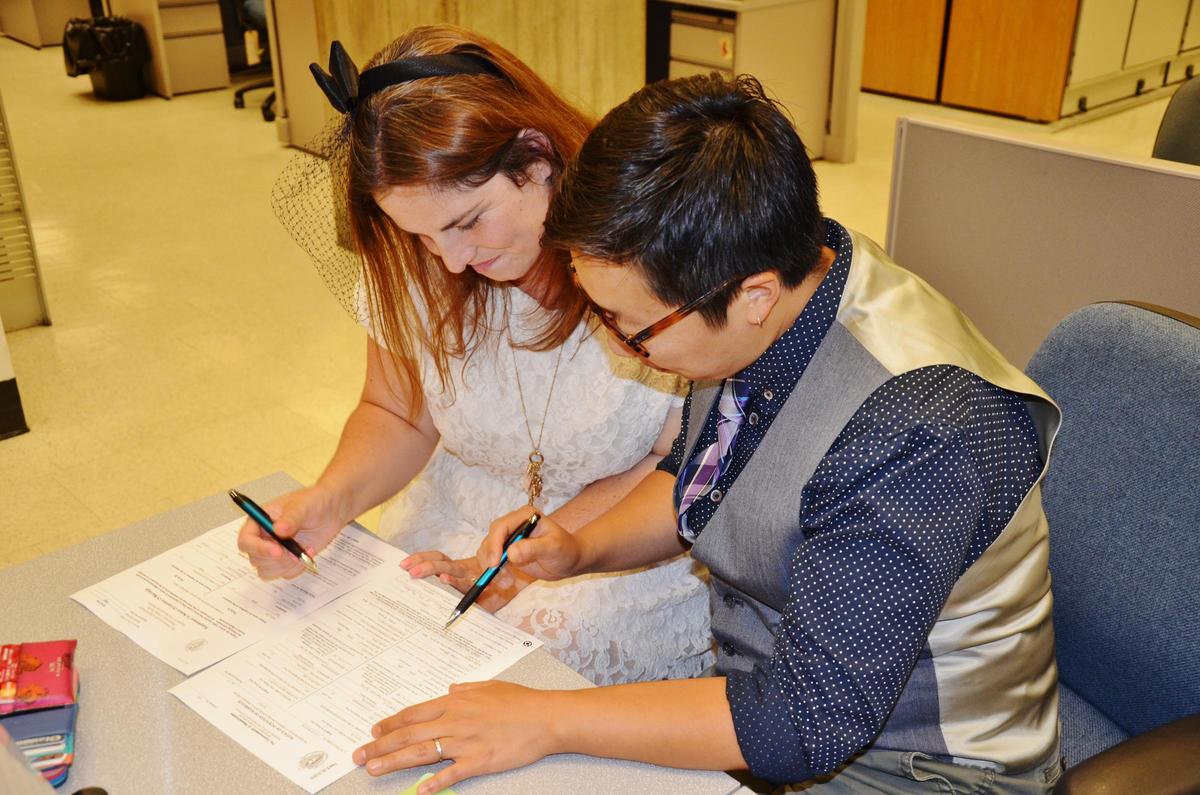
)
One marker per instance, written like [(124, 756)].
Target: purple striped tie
[(701, 473)]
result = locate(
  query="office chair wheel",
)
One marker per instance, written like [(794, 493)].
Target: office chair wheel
[(268, 107), (239, 101)]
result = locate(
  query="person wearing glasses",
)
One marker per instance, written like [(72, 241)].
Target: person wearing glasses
[(858, 468), (487, 387)]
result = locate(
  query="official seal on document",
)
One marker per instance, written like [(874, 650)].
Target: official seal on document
[(313, 759)]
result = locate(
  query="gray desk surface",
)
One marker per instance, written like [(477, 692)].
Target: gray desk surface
[(134, 737)]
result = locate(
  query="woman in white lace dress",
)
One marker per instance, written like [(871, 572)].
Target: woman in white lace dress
[(481, 354)]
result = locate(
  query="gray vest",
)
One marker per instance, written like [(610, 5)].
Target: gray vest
[(762, 511), (985, 689)]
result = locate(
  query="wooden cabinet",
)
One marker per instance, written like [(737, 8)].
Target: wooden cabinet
[(1009, 57), (902, 52), (1034, 59)]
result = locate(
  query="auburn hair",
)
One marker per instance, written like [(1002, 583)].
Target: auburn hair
[(447, 132)]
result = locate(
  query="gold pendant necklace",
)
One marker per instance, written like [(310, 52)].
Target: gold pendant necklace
[(533, 472)]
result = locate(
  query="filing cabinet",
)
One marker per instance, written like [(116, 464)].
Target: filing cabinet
[(806, 53), (187, 43), (1042, 60), (1125, 49), (700, 43)]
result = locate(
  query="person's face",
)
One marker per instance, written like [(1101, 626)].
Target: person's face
[(689, 347), (495, 229)]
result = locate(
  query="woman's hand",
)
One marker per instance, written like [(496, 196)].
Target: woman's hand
[(462, 574), (308, 515), (550, 553), (485, 727)]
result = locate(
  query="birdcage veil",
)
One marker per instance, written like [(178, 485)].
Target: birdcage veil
[(310, 199), (311, 195)]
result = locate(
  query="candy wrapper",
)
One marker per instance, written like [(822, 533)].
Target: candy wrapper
[(37, 675)]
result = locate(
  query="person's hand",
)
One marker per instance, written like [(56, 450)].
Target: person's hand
[(550, 553), (485, 727), (308, 515), (462, 573)]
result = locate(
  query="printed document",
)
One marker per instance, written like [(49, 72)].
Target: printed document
[(304, 698), (202, 601)]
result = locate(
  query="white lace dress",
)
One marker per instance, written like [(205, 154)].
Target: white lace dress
[(604, 414)]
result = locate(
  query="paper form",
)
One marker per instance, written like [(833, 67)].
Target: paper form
[(304, 698), (202, 601)]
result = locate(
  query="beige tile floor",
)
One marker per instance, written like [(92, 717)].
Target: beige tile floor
[(193, 345)]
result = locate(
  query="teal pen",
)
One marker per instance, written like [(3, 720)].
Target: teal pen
[(261, 518), (469, 598)]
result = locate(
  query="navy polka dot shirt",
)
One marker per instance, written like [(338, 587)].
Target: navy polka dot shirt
[(914, 489)]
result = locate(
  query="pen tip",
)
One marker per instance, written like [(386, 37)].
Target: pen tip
[(309, 563), (233, 493), (453, 618)]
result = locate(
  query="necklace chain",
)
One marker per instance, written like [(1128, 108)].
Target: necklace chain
[(533, 472)]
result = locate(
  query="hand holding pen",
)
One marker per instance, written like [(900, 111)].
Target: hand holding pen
[(523, 531), (549, 553), (301, 519)]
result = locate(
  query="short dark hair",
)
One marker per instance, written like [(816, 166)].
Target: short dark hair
[(693, 182)]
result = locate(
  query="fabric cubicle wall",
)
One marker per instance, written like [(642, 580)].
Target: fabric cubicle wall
[(1020, 234)]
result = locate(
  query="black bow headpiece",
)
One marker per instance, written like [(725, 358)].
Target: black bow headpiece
[(345, 87)]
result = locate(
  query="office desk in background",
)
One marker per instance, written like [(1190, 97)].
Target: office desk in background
[(187, 43), (39, 22), (134, 737)]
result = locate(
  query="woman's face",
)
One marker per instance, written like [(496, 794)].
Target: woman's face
[(495, 229)]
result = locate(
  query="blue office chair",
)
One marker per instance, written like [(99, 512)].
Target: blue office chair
[(1179, 131), (1123, 500)]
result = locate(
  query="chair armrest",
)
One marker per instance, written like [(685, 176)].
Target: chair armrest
[(1159, 762)]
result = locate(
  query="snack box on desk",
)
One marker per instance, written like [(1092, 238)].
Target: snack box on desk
[(46, 737), (38, 690), (37, 675)]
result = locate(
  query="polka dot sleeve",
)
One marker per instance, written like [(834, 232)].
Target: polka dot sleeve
[(924, 477)]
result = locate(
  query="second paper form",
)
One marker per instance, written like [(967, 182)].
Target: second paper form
[(303, 699)]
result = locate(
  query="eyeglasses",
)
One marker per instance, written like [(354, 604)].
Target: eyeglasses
[(636, 342)]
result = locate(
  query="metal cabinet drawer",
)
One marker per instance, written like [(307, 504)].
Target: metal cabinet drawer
[(702, 39), (190, 20), (196, 63)]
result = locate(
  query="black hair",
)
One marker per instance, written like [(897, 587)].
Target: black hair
[(693, 182)]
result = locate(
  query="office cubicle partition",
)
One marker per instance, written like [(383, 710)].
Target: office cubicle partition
[(1019, 234)]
